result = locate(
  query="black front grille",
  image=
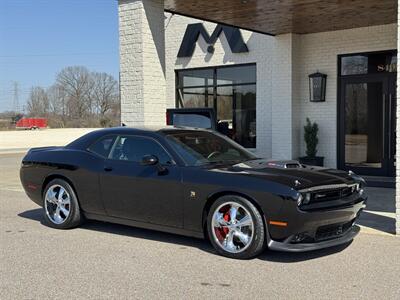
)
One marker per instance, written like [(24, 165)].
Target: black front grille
[(332, 231), (331, 194)]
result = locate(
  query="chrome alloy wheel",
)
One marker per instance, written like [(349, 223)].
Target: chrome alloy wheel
[(232, 227), (57, 204)]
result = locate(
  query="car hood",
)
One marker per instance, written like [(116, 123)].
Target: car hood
[(289, 173)]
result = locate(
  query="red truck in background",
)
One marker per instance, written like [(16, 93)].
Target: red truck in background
[(31, 123)]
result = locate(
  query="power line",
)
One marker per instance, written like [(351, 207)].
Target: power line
[(58, 54)]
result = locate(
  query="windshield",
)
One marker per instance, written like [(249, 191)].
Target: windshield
[(201, 147)]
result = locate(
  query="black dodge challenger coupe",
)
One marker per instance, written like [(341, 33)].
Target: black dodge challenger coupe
[(194, 182)]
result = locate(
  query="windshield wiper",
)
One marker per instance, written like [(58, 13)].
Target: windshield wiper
[(223, 162), (254, 158)]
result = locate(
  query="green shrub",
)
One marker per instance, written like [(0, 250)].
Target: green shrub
[(311, 138)]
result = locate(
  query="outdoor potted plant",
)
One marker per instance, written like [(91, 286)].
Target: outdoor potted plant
[(311, 140)]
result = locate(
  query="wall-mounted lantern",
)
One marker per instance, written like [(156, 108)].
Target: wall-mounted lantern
[(317, 84)]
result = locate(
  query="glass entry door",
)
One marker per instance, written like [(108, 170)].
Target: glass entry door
[(367, 124)]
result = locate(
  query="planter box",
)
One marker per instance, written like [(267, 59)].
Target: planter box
[(312, 161)]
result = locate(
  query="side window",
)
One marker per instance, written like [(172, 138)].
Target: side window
[(133, 148), (102, 146)]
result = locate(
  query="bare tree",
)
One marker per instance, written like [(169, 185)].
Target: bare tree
[(78, 98), (57, 100), (104, 92), (57, 105), (77, 84), (38, 103)]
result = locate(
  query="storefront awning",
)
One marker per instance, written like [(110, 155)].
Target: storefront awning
[(289, 16)]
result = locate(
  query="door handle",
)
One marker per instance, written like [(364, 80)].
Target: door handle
[(383, 125), (107, 168)]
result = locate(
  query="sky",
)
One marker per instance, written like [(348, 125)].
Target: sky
[(40, 37)]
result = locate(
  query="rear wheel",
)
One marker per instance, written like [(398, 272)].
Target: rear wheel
[(60, 205), (236, 228)]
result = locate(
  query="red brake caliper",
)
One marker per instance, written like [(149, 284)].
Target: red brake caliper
[(222, 232)]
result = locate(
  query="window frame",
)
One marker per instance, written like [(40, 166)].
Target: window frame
[(173, 161), (180, 89), (368, 53), (213, 85)]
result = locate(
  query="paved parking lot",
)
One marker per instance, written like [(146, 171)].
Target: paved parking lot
[(100, 260)]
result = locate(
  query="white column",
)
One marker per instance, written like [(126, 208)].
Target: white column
[(142, 62), (285, 81), (398, 133)]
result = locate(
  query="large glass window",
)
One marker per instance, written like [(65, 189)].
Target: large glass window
[(230, 90)]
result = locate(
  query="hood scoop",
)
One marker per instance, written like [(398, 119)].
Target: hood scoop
[(263, 163), (285, 164)]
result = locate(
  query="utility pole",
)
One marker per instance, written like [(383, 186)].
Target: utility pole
[(15, 98)]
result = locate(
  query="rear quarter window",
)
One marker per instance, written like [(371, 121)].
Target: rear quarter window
[(102, 146)]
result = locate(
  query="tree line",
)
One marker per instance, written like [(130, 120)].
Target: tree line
[(78, 98)]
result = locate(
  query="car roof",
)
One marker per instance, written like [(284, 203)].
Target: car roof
[(84, 141), (143, 129)]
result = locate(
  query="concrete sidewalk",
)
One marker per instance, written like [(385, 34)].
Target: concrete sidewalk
[(380, 214)]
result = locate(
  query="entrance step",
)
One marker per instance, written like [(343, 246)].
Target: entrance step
[(379, 181)]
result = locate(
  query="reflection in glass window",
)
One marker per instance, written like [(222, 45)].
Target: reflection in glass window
[(369, 63), (356, 64), (245, 115), (198, 148), (364, 125), (103, 146), (134, 148), (231, 91), (195, 97), (199, 77), (236, 75)]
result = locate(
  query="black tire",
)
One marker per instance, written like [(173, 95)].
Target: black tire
[(258, 242), (74, 218)]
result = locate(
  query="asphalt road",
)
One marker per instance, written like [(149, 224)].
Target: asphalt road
[(100, 260)]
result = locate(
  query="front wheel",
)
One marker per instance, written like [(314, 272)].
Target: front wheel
[(60, 205), (236, 228)]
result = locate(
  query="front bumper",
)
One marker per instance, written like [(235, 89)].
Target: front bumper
[(315, 229), (302, 247)]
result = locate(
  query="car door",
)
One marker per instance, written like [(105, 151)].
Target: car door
[(133, 191)]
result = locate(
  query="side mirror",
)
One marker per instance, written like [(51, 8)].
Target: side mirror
[(152, 160), (149, 160)]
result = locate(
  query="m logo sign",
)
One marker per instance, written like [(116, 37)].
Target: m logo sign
[(193, 31)]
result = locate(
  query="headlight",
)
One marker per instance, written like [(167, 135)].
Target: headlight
[(299, 199), (303, 198), (361, 182)]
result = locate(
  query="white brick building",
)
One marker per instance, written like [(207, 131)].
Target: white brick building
[(358, 55)]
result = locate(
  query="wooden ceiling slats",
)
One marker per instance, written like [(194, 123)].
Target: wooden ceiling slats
[(285, 16)]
